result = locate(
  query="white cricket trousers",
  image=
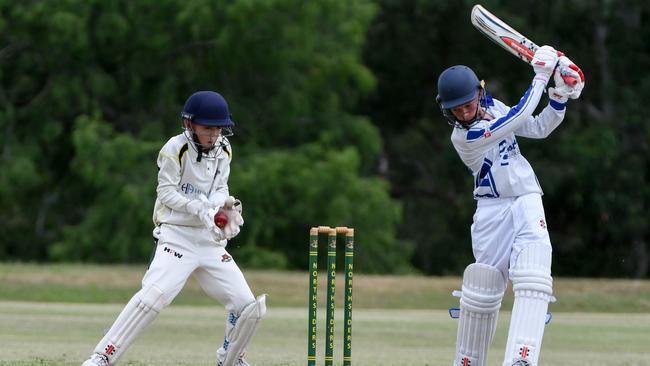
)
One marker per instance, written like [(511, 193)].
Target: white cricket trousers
[(502, 227), (183, 251)]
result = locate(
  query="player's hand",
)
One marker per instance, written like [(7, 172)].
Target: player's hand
[(217, 199), (544, 63), (566, 68), (557, 95), (207, 218), (204, 210), (195, 207), (233, 208), (218, 234)]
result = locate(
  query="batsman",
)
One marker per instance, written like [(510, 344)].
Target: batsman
[(193, 171), (510, 239)]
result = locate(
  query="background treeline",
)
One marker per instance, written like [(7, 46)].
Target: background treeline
[(336, 125)]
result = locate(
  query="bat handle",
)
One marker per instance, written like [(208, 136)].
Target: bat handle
[(570, 80)]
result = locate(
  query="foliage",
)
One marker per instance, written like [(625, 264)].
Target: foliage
[(593, 168), (313, 185), (118, 205), (91, 89), (335, 124)]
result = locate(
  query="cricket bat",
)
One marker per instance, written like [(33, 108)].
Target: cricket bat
[(512, 41)]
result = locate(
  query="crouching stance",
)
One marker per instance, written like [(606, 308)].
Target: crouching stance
[(509, 234), (194, 167)]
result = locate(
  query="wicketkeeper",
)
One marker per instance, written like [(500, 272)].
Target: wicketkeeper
[(194, 167), (509, 234)]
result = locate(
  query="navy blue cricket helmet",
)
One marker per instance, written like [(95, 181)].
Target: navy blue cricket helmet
[(457, 85), (207, 108)]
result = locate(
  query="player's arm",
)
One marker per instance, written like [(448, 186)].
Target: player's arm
[(486, 134), (541, 125), (169, 177)]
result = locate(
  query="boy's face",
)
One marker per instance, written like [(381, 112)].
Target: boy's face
[(207, 135), (467, 111)]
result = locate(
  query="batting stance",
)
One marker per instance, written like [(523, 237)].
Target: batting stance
[(509, 235), (192, 185)]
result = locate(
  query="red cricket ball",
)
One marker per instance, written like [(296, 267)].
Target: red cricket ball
[(221, 219)]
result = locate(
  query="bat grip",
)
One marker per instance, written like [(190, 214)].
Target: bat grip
[(570, 80)]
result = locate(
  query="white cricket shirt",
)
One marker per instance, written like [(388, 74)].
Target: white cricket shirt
[(182, 179), (490, 150)]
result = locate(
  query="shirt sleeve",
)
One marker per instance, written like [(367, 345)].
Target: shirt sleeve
[(492, 132), (543, 124), (169, 177)]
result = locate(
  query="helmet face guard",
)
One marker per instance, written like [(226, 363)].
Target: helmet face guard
[(208, 109), (459, 85), (451, 118), (212, 151), (226, 130)]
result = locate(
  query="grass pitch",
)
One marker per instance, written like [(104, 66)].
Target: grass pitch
[(53, 315), (57, 334)]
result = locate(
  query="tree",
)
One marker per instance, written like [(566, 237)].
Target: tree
[(91, 89), (593, 169)]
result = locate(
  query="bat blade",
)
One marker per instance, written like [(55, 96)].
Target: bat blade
[(508, 38), (502, 34)]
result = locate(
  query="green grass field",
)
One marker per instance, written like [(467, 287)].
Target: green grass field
[(54, 315)]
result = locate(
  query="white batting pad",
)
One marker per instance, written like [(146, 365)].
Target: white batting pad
[(533, 288), (242, 333), (141, 310), (480, 301)]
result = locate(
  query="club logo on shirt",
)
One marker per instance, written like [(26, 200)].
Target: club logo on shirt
[(507, 151), (226, 258), (190, 190)]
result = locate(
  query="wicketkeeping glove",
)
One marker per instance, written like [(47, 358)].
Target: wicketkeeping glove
[(195, 206), (207, 218), (203, 209), (233, 208), (544, 63)]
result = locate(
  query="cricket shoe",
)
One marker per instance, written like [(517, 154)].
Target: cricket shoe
[(96, 360)]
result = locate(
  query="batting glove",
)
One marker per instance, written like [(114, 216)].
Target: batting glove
[(557, 95), (566, 68), (544, 63)]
